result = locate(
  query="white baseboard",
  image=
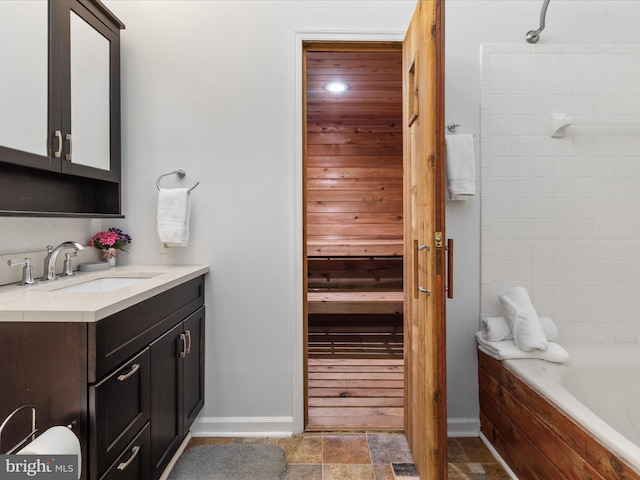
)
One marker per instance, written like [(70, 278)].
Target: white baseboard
[(497, 456), (176, 456), (283, 427), (243, 427), (463, 427)]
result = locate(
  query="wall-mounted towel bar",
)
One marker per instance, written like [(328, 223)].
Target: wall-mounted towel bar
[(453, 127), (560, 122), (181, 173)]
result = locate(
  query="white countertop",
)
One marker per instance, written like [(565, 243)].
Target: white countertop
[(45, 302)]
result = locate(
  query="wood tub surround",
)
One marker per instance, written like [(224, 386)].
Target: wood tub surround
[(537, 440)]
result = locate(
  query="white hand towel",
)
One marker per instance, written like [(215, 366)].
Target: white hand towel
[(528, 333), (174, 210), (461, 165), (507, 349), (495, 329)]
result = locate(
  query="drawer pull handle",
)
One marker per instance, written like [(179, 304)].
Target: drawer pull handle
[(134, 454), (134, 368), (188, 348)]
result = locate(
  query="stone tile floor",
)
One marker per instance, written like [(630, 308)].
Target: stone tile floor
[(369, 456)]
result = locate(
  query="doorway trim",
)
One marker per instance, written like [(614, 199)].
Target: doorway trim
[(301, 36)]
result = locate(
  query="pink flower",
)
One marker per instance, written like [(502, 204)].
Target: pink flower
[(112, 238)]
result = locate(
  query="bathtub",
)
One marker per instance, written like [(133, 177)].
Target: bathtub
[(580, 419)]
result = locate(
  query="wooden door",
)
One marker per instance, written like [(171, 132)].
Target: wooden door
[(424, 315)]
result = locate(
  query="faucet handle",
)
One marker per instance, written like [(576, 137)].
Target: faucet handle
[(68, 268), (27, 271)]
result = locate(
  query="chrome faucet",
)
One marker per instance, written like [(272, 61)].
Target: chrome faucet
[(52, 256)]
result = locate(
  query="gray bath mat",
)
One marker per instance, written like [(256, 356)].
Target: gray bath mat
[(231, 462)]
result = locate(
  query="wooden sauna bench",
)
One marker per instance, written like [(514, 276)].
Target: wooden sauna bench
[(363, 277)]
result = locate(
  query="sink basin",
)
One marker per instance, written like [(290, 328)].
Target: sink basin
[(106, 284)]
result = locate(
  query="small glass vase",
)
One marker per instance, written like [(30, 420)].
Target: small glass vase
[(110, 256)]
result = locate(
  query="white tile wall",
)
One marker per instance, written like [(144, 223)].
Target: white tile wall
[(561, 216)]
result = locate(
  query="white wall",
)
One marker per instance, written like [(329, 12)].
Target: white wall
[(208, 87)]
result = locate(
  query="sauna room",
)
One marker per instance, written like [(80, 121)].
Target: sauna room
[(354, 229)]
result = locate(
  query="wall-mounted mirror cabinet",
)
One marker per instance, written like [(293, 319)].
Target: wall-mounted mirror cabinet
[(60, 111)]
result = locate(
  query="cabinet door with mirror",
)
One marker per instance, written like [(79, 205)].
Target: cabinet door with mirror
[(91, 98), (24, 96)]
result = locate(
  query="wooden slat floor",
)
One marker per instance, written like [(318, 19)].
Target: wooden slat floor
[(356, 394), (356, 374)]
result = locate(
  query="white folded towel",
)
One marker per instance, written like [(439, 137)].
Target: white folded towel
[(174, 209), (495, 329), (461, 165), (523, 319), (507, 349)]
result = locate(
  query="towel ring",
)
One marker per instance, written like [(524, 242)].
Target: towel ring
[(181, 173)]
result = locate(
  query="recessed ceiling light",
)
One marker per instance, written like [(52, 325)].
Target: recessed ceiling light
[(336, 87)]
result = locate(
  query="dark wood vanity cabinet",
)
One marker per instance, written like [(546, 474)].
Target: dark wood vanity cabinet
[(177, 394), (130, 385), (72, 168), (162, 385)]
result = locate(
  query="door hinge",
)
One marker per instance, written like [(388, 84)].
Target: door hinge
[(438, 239)]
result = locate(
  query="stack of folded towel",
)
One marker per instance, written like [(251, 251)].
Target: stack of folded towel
[(520, 333)]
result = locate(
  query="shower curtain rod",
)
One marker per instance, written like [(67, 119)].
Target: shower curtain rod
[(534, 35)]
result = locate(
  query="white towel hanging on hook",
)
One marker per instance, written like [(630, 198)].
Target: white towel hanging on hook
[(460, 166), (174, 211)]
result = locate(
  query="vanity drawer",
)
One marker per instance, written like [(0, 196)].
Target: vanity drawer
[(116, 338), (119, 408), (133, 463)]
